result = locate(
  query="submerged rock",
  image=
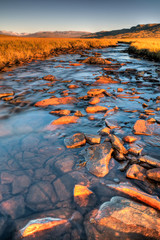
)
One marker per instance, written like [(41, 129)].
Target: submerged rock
[(121, 218), (82, 195), (74, 141), (97, 159)]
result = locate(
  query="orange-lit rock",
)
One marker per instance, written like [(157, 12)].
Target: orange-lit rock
[(154, 174), (92, 139), (56, 101), (127, 96), (75, 64), (49, 78), (38, 225), (110, 111), (105, 80), (136, 193), (63, 112), (111, 124), (149, 160), (105, 131), (6, 94), (78, 114), (94, 101), (65, 120), (140, 127), (74, 141), (117, 144), (135, 149), (151, 120), (73, 86), (95, 109), (97, 159), (129, 139), (120, 89), (81, 195), (136, 172), (95, 91), (96, 60), (124, 219)]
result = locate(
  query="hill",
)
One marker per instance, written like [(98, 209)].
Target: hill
[(139, 31)]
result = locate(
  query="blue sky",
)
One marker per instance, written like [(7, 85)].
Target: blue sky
[(81, 15)]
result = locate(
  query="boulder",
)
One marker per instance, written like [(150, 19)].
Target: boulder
[(74, 141), (154, 174), (65, 120), (136, 172), (97, 159), (121, 218)]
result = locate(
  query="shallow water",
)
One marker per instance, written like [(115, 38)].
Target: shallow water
[(32, 153)]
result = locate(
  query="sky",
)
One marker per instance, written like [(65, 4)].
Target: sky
[(82, 15)]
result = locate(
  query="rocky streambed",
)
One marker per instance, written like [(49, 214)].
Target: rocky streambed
[(80, 148)]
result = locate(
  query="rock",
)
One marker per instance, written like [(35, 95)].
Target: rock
[(151, 161), (49, 78), (14, 207), (61, 190), (92, 139), (120, 89), (94, 101), (78, 114), (136, 172), (151, 120), (65, 120), (140, 128), (137, 194), (65, 164), (110, 111), (95, 91), (75, 64), (96, 60), (97, 159), (74, 141), (7, 177), (154, 174), (6, 94), (123, 166), (41, 196), (73, 86), (82, 195), (105, 80), (56, 101), (129, 139), (105, 131), (63, 112), (38, 225), (119, 156), (96, 109), (20, 183), (111, 124), (117, 144), (135, 149), (121, 218)]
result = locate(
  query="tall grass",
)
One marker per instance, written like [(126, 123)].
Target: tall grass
[(16, 49)]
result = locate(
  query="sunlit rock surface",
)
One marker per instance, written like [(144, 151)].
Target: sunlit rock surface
[(121, 218)]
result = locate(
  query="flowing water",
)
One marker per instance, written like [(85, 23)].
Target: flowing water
[(37, 172)]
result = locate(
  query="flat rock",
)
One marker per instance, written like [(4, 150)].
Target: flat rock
[(74, 141), (151, 161), (82, 195), (14, 207), (140, 128), (95, 91), (117, 144), (136, 172), (56, 101), (20, 183), (135, 149), (105, 80), (96, 109), (49, 78), (129, 139), (96, 60), (6, 94), (121, 218), (137, 194), (41, 196), (105, 131), (65, 164), (111, 124), (63, 112), (65, 120), (94, 101), (154, 174), (93, 139), (97, 159)]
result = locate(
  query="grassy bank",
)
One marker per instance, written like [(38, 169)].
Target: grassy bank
[(17, 50), (145, 47)]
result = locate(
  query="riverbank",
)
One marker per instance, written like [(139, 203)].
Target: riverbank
[(18, 50)]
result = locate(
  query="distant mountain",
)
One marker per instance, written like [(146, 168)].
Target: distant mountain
[(48, 34), (141, 30)]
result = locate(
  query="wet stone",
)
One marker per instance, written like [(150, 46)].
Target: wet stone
[(41, 196), (135, 149), (150, 160), (82, 196), (136, 172), (129, 139), (117, 144), (65, 120), (74, 141), (154, 174), (14, 207), (65, 164), (111, 124), (97, 159), (93, 139), (95, 91), (96, 109), (63, 112), (20, 183)]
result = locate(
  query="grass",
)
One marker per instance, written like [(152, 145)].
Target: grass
[(14, 50)]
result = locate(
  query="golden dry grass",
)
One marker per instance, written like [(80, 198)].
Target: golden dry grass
[(16, 49)]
